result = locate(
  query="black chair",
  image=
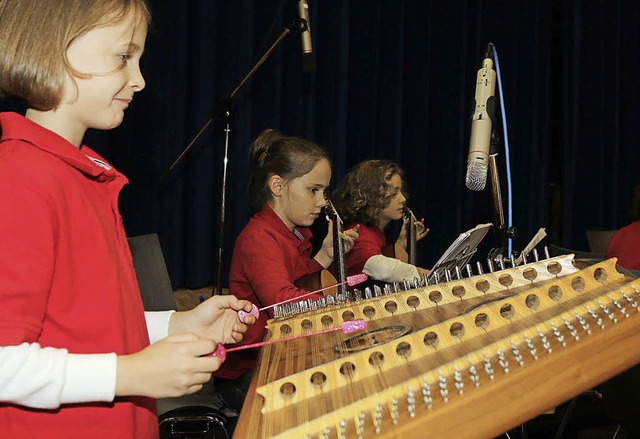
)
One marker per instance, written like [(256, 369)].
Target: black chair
[(152, 274), (599, 240), (193, 422), (556, 250), (199, 415)]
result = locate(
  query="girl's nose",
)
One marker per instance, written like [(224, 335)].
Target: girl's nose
[(136, 80)]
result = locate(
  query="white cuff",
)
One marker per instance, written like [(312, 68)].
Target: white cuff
[(158, 324), (89, 378)]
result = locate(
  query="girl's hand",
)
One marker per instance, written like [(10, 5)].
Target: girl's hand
[(325, 254), (216, 318), (174, 366), (421, 232), (349, 237)]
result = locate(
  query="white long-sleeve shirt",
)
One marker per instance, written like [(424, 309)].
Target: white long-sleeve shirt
[(45, 378)]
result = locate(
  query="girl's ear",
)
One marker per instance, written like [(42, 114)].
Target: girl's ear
[(276, 185)]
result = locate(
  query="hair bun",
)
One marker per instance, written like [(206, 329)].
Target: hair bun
[(263, 143)]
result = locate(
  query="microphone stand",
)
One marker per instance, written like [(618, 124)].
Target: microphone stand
[(223, 111), (503, 233)]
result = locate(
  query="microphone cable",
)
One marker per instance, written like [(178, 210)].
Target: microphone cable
[(505, 134)]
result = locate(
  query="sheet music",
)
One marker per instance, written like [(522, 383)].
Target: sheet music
[(460, 252)]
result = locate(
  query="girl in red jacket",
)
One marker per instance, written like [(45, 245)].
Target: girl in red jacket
[(287, 189), (79, 357), (371, 197)]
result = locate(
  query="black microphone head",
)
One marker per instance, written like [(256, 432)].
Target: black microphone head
[(297, 24), (303, 25), (488, 52)]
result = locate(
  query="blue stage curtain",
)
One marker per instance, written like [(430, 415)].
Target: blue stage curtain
[(395, 80)]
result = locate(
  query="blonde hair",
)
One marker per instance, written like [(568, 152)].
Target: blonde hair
[(35, 36)]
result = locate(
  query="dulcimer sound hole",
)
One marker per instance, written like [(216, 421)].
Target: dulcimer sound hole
[(369, 339)]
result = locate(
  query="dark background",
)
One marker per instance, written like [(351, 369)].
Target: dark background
[(394, 79)]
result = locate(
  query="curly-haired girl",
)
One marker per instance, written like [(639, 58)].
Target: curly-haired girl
[(371, 196)]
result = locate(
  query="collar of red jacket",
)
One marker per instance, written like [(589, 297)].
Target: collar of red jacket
[(268, 215), (18, 127)]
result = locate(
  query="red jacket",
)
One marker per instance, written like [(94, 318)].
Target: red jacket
[(267, 259), (370, 242), (66, 275), (625, 245)]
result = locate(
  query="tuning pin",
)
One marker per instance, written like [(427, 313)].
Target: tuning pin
[(490, 265), (501, 262), (524, 259), (469, 271), (536, 256), (367, 293), (447, 275), (437, 277), (425, 279), (546, 252), (513, 260), (479, 265), (458, 274)]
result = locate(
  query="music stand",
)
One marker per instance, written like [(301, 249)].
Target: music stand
[(459, 253)]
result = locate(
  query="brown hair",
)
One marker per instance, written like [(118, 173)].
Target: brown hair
[(273, 153), (35, 36), (365, 191)]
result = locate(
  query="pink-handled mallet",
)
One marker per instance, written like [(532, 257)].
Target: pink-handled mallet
[(347, 328)]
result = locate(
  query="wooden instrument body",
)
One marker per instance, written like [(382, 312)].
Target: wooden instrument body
[(517, 341), (318, 280)]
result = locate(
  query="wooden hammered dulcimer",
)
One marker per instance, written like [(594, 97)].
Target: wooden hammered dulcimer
[(471, 357)]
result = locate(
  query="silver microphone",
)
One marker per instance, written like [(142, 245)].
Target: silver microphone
[(308, 59), (479, 143)]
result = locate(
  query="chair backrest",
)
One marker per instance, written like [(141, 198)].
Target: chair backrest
[(183, 416), (152, 273), (599, 240), (555, 250)]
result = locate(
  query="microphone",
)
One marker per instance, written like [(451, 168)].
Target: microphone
[(308, 59), (484, 112)]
